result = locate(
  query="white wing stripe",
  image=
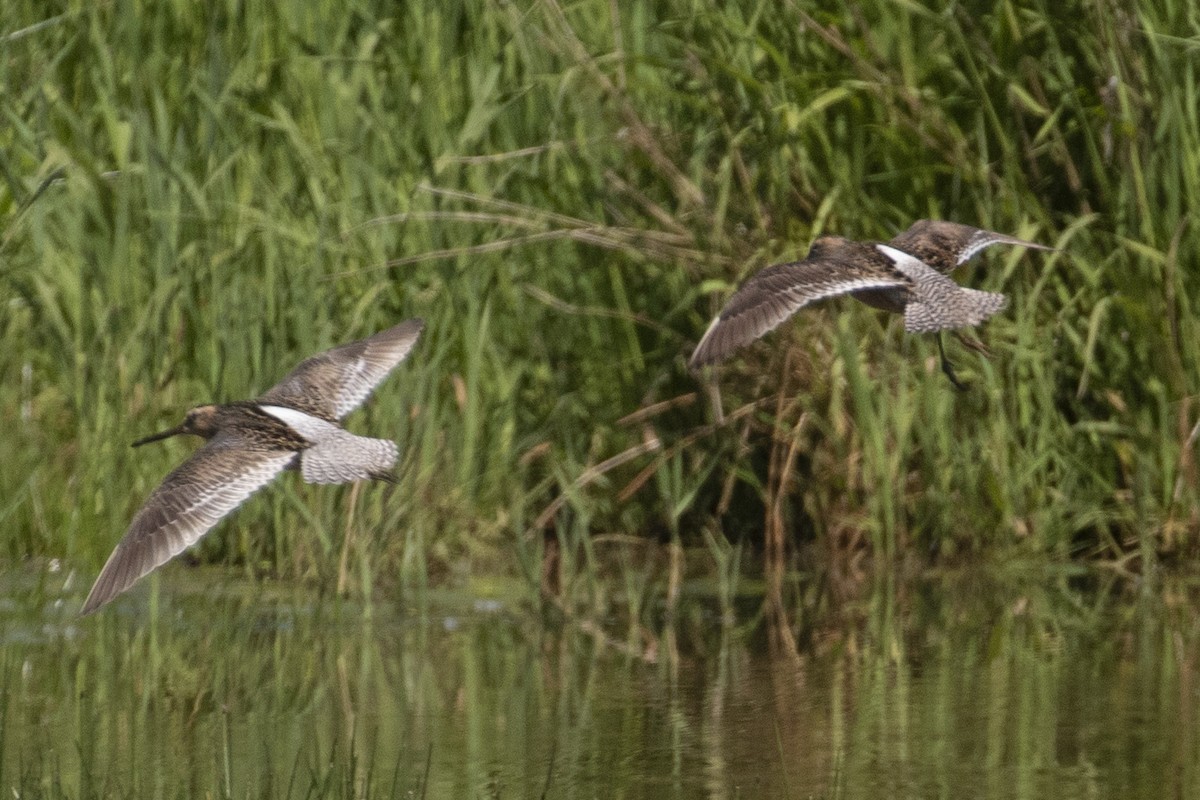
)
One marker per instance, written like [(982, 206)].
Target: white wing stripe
[(911, 266), (308, 426)]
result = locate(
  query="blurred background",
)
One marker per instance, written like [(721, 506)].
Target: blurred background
[(600, 572)]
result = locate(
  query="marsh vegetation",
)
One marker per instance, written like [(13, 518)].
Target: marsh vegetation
[(193, 199)]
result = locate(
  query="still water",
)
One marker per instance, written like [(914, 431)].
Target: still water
[(1045, 684)]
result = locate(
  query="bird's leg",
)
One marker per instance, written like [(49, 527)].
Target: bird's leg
[(974, 344), (947, 367)]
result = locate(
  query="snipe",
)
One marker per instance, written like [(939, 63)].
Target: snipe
[(294, 425), (908, 276)]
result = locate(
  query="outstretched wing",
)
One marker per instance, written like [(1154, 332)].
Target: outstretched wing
[(187, 504), (774, 294), (332, 384)]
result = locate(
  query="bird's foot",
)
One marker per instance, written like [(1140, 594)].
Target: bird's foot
[(973, 343), (948, 368)]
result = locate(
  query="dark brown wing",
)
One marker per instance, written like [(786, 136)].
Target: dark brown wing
[(945, 245), (334, 383), (187, 504), (833, 267)]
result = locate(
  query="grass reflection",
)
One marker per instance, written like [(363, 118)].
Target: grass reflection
[(1025, 684)]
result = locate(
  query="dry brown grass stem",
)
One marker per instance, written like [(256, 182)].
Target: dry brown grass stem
[(593, 473), (558, 304), (653, 410)]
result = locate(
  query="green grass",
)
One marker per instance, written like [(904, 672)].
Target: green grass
[(192, 200)]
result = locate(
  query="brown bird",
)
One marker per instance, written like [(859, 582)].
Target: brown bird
[(908, 276), (294, 425)]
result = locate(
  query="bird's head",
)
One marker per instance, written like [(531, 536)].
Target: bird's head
[(200, 421)]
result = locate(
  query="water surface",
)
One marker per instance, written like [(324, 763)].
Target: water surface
[(1048, 684)]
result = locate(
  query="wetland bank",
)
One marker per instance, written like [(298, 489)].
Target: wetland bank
[(587, 580)]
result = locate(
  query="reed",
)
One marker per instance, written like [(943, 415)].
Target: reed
[(195, 199)]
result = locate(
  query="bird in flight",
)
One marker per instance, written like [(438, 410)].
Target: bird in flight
[(908, 275), (294, 425)]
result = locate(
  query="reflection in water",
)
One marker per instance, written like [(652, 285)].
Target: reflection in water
[(950, 687)]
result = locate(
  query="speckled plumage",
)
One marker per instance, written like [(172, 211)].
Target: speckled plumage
[(946, 245), (906, 276), (293, 425)]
